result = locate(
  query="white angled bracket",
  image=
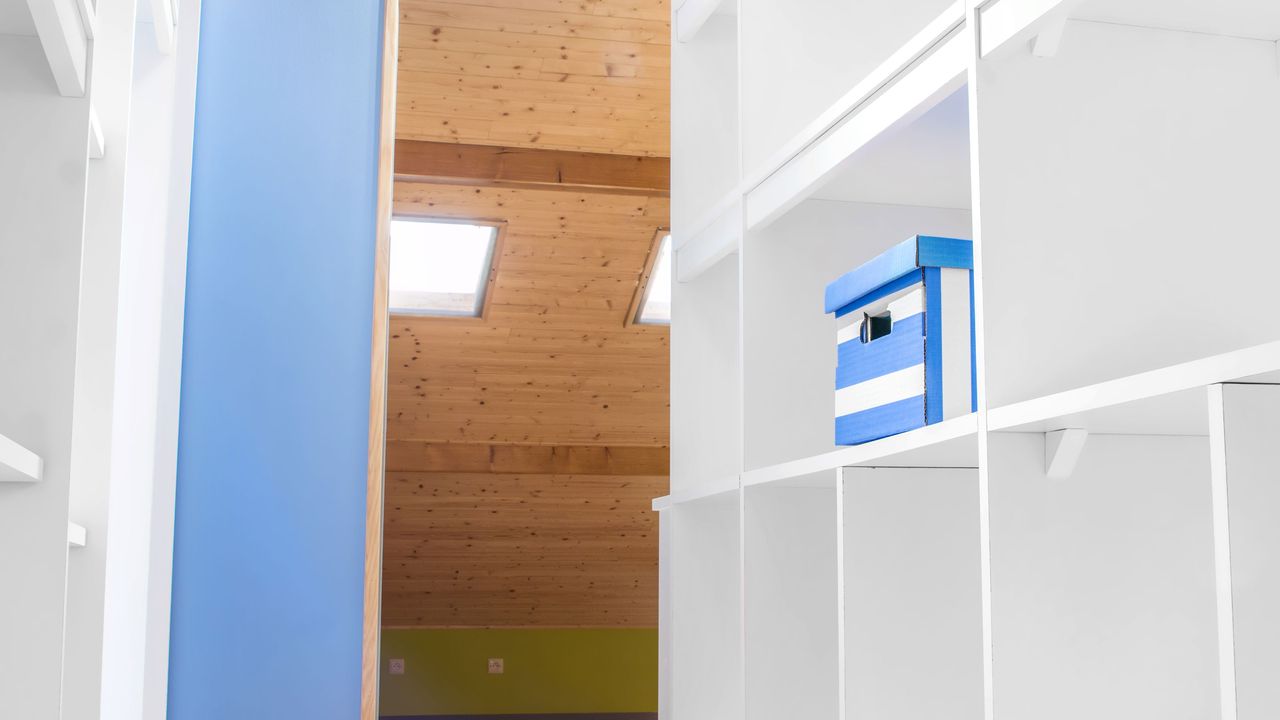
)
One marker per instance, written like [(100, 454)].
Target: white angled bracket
[(1046, 44), (1062, 450), (97, 141), (76, 535)]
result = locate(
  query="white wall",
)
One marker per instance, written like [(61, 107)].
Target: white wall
[(791, 610), (912, 594), (1129, 193), (790, 348), (1102, 584), (43, 155)]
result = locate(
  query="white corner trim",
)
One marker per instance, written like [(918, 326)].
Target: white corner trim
[(1225, 600), (1062, 450), (88, 17)]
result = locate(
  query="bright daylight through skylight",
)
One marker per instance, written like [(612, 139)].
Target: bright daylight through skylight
[(657, 298), (439, 268)]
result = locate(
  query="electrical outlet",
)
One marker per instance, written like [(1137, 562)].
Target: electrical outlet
[(495, 666), (396, 666)]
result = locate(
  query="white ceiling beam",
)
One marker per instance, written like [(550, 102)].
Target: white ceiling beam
[(162, 18), (62, 33), (1062, 449)]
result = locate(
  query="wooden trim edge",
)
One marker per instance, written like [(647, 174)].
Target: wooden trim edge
[(642, 282), (374, 488)]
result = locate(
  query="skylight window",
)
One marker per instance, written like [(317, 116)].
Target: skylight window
[(655, 308), (440, 267)]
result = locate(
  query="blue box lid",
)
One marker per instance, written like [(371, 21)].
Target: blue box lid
[(917, 251)]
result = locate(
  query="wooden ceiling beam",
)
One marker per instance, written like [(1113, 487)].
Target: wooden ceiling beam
[(421, 456), (497, 166)]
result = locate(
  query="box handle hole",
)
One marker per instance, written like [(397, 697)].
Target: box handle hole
[(875, 327)]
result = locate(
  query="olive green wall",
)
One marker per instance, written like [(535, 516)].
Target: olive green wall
[(546, 671)]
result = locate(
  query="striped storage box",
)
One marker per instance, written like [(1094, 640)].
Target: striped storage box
[(904, 339)]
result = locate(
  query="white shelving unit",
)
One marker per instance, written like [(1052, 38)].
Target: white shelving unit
[(1117, 166)]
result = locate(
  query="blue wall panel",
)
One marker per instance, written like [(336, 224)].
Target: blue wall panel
[(269, 535)]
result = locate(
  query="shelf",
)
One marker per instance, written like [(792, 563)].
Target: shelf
[(1005, 22), (722, 489), (949, 444), (1168, 401), (18, 464), (919, 76), (711, 239)]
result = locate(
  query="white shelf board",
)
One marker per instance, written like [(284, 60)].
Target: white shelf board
[(722, 488), (18, 464), (1007, 23), (76, 535), (896, 95), (917, 47), (951, 443), (1168, 401), (924, 163)]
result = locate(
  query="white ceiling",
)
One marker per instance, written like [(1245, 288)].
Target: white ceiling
[(925, 162)]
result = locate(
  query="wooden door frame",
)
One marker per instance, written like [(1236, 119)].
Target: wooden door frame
[(374, 493)]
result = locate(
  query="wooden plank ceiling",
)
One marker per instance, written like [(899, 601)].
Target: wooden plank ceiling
[(589, 75), (524, 448)]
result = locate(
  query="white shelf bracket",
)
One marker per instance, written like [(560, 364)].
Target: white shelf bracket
[(1062, 450), (76, 535), (1046, 43), (18, 464), (97, 141)]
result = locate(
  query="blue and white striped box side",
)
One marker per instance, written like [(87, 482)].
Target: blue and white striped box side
[(882, 392)]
